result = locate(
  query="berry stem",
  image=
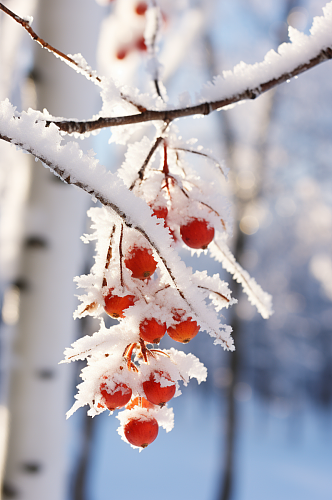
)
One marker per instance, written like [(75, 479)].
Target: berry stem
[(165, 167), (109, 255), (121, 255)]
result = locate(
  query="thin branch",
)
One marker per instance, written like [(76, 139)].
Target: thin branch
[(186, 150), (205, 108), (68, 60), (121, 256), (148, 158), (214, 291), (91, 75)]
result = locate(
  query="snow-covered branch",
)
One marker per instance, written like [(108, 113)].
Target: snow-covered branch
[(81, 170), (244, 82)]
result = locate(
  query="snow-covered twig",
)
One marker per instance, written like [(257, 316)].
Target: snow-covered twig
[(257, 297)]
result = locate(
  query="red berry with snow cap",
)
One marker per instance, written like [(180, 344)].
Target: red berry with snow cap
[(141, 431), (118, 397), (182, 331), (141, 263), (156, 392), (150, 330), (160, 212), (197, 233), (115, 305)]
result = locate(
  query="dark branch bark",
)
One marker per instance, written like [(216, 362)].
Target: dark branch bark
[(205, 108), (65, 58), (144, 115), (25, 24)]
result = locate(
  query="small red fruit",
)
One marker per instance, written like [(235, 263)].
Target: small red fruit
[(183, 331), (197, 233), (140, 44), (155, 392), (117, 398), (141, 431), (121, 53), (115, 305), (150, 330), (141, 8), (160, 212), (141, 263)]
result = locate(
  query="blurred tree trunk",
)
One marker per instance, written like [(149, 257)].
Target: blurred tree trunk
[(38, 463)]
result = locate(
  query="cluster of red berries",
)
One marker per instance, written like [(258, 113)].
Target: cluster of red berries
[(142, 428), (135, 292), (137, 44), (195, 231), (158, 388)]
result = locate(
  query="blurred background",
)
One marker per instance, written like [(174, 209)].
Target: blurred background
[(260, 427)]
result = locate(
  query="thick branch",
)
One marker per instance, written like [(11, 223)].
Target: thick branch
[(200, 109)]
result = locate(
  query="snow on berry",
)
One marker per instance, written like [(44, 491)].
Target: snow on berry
[(141, 431), (159, 388), (164, 417), (197, 233), (151, 330), (140, 262), (115, 398)]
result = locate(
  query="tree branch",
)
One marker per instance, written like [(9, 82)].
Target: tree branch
[(127, 219), (67, 59), (86, 71), (204, 108)]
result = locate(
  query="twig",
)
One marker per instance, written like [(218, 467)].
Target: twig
[(121, 255), (186, 150), (214, 291), (65, 58), (148, 158), (68, 60)]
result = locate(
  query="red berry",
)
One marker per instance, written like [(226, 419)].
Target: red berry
[(155, 392), (160, 212), (141, 8), (140, 44), (121, 53), (117, 398), (141, 402), (141, 431), (150, 330), (141, 263), (197, 233), (115, 305), (183, 331)]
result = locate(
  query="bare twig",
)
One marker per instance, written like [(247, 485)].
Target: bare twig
[(68, 60), (187, 150), (214, 291), (148, 158), (64, 57)]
